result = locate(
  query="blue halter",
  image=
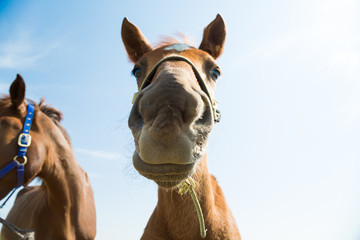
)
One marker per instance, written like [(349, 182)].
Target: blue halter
[(24, 142)]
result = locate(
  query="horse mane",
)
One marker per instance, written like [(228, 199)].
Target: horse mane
[(55, 115)]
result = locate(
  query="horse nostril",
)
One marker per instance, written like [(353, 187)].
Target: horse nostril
[(136, 119), (206, 116), (139, 120), (141, 123)]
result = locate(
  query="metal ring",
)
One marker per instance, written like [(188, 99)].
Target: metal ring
[(19, 163)]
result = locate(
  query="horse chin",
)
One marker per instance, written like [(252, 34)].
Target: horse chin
[(165, 175)]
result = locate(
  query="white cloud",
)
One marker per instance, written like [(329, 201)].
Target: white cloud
[(24, 51), (98, 154)]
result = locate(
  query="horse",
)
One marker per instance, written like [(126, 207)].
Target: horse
[(63, 206), (171, 118)]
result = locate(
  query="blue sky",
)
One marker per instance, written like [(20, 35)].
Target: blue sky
[(286, 152)]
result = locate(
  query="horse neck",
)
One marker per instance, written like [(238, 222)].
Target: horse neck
[(68, 189), (179, 211), (62, 177)]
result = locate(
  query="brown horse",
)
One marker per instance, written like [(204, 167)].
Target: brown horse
[(63, 206), (171, 119)]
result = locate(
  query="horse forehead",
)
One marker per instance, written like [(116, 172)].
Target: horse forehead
[(197, 57), (10, 127)]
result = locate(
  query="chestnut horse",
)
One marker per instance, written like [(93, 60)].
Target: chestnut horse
[(171, 119), (63, 206)]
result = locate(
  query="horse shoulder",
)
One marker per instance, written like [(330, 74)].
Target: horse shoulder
[(28, 202)]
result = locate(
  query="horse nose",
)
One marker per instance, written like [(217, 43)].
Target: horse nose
[(169, 102)]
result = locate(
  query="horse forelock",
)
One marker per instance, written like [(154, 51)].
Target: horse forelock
[(5, 102), (170, 40)]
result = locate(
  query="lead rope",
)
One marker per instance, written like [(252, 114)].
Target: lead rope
[(7, 199), (188, 186), (23, 234)]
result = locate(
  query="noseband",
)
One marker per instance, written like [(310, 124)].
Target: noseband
[(24, 141), (215, 112)]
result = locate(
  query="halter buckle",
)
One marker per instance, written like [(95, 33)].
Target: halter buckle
[(24, 140)]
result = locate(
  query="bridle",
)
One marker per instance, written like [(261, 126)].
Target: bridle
[(147, 81), (24, 142)]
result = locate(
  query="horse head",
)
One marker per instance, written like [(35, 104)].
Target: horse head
[(15, 112), (175, 108)]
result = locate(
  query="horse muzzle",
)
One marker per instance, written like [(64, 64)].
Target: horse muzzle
[(165, 175)]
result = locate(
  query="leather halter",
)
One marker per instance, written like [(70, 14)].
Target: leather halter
[(202, 83), (24, 142)]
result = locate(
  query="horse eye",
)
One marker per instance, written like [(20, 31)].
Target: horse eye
[(136, 72), (215, 73)]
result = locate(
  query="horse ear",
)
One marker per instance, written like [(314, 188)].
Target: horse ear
[(17, 91), (214, 37), (135, 42)]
